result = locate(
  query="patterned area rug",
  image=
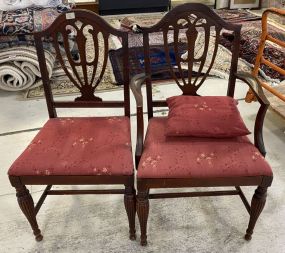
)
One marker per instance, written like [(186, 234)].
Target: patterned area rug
[(28, 20), (250, 38), (220, 68), (237, 15), (277, 104), (157, 59)]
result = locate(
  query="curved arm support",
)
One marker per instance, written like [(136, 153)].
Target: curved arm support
[(256, 87), (280, 12), (136, 85), (258, 129)]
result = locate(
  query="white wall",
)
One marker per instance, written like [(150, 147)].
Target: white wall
[(222, 4), (225, 3)]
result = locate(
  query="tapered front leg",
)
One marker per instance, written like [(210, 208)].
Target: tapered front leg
[(130, 205), (26, 204), (257, 205), (143, 210)]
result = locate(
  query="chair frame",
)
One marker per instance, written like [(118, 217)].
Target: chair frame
[(87, 100), (145, 184), (265, 36)]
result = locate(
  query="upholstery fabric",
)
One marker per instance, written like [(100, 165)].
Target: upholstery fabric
[(78, 146), (215, 117), (192, 157)]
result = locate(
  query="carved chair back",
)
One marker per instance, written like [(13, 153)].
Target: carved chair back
[(191, 32), (91, 36)]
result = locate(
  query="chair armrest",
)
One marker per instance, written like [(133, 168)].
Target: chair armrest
[(254, 85), (280, 12), (136, 85), (256, 88)]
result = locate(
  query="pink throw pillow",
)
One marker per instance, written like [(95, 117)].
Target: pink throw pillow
[(208, 116)]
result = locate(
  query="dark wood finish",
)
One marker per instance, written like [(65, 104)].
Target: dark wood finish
[(256, 88), (130, 205), (84, 104), (42, 198), (78, 192), (257, 205), (205, 182), (196, 17), (193, 20), (243, 198), (91, 6), (143, 211), (80, 22), (191, 194), (26, 204), (73, 180)]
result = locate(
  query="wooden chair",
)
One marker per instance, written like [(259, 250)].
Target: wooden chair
[(79, 150), (182, 161), (265, 37)]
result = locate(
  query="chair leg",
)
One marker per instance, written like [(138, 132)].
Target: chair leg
[(257, 205), (26, 204), (143, 210), (130, 206)]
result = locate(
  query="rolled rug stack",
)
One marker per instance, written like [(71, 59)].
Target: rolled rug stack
[(19, 69)]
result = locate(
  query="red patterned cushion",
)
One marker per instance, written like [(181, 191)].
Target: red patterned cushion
[(78, 146), (193, 157), (204, 117)]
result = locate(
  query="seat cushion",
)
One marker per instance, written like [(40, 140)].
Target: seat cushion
[(190, 157), (78, 146), (207, 116)]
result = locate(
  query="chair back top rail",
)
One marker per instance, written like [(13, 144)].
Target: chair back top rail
[(80, 40)]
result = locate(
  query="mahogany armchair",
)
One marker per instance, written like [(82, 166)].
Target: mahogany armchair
[(186, 149), (79, 150)]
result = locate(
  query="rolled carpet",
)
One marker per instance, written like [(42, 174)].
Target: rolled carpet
[(19, 68)]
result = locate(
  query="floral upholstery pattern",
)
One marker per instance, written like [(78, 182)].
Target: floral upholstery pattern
[(78, 146), (193, 157), (215, 117)]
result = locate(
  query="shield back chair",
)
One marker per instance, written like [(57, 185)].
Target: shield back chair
[(267, 36), (187, 148), (79, 150)]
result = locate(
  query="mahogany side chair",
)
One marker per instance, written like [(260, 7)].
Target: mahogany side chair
[(93, 150), (202, 142)]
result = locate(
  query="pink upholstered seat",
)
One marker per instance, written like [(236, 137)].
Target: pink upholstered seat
[(190, 157), (78, 146)]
